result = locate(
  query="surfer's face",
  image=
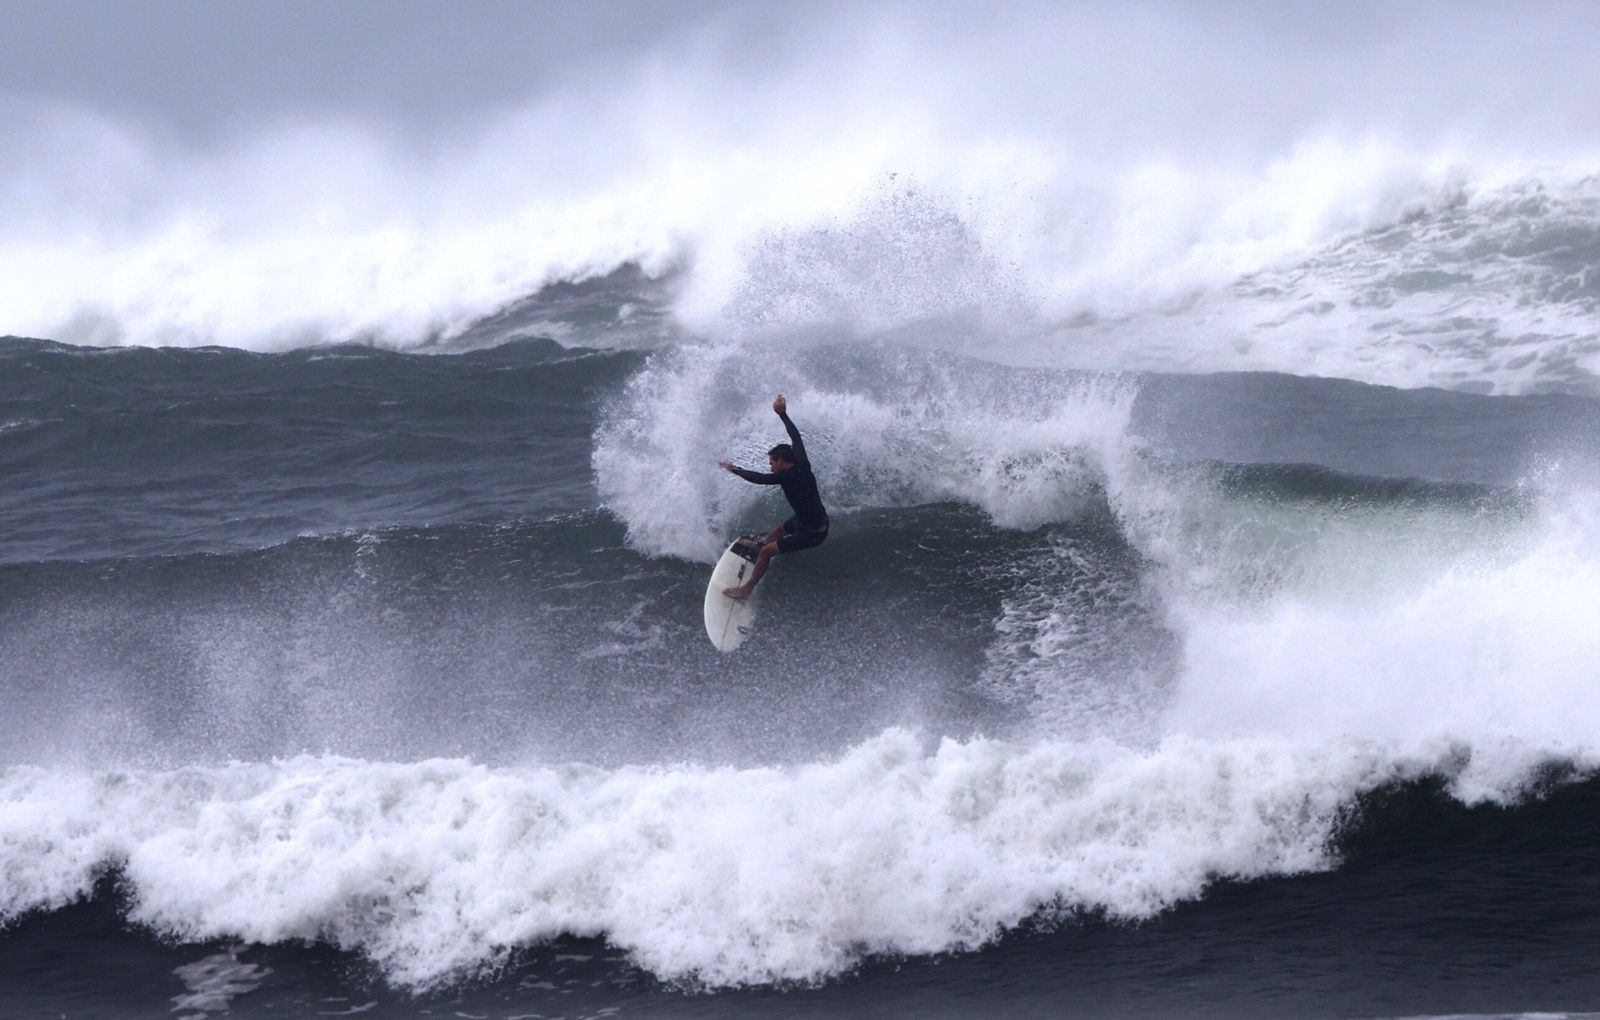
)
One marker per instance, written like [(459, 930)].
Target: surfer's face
[(778, 463)]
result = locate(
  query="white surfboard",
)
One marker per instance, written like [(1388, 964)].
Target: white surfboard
[(728, 621)]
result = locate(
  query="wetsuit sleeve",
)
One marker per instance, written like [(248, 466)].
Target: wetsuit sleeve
[(759, 478), (795, 441)]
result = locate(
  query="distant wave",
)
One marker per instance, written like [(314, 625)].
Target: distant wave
[(1484, 286), (1144, 227)]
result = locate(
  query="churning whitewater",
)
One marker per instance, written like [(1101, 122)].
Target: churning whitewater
[(1200, 485)]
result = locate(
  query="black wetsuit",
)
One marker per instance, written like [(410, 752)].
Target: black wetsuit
[(809, 525)]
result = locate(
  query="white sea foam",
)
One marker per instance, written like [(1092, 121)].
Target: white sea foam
[(715, 875), (1494, 643), (1313, 620), (1493, 291)]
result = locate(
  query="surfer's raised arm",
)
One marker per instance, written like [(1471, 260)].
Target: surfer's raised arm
[(781, 406), (789, 457)]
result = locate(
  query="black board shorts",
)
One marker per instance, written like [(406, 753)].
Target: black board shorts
[(795, 538)]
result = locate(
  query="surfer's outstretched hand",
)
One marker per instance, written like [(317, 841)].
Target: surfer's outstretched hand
[(726, 465), (779, 404)]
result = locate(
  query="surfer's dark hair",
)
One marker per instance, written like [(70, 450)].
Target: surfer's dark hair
[(783, 451)]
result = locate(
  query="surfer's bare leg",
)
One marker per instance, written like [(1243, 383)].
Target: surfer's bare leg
[(767, 552), (772, 536)]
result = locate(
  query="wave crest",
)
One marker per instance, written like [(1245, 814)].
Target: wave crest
[(714, 876)]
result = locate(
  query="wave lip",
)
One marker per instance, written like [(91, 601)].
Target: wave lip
[(711, 876)]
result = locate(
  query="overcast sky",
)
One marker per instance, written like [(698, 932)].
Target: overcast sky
[(200, 70), (198, 67)]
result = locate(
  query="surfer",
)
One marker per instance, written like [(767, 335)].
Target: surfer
[(792, 470)]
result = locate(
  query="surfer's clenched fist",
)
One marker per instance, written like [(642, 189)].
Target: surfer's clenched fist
[(779, 405)]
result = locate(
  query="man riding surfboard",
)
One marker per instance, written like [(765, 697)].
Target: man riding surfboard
[(791, 469)]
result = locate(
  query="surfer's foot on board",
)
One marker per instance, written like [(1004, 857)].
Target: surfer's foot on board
[(738, 594)]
